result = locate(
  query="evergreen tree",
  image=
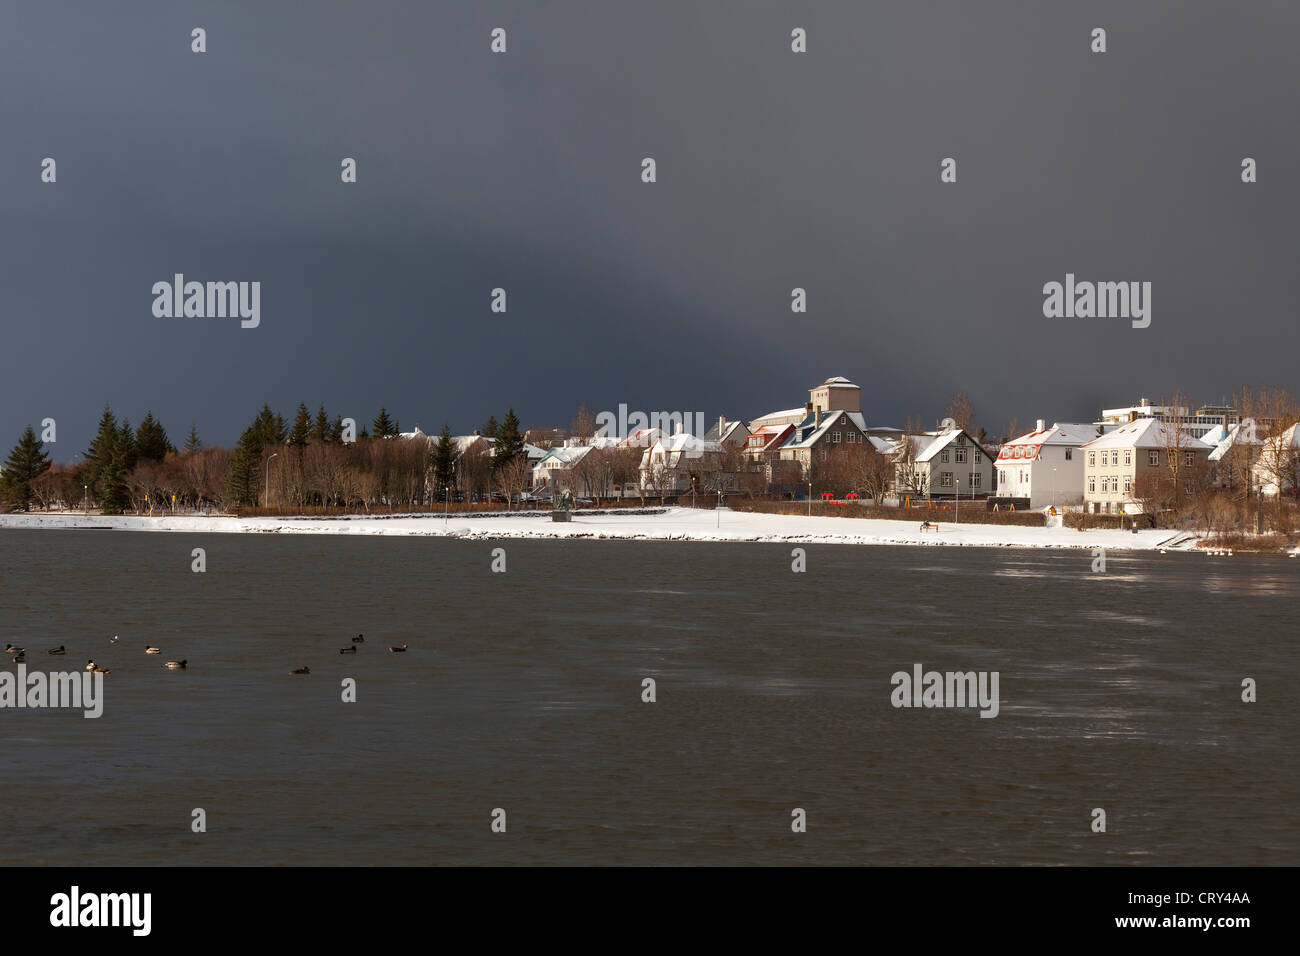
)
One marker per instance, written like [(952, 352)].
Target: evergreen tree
[(269, 427), (320, 432), (126, 445), (113, 497), (336, 430), (101, 449), (25, 463), (444, 461), (192, 443), (383, 426), (509, 442), (245, 468), (489, 429), (151, 440), (301, 431)]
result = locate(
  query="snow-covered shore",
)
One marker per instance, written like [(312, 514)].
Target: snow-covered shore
[(671, 524)]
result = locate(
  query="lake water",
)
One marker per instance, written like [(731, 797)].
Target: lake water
[(522, 691)]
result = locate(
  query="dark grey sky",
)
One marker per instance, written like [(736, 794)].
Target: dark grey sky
[(523, 171)]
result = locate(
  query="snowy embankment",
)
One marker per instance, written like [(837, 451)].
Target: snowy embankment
[(672, 524)]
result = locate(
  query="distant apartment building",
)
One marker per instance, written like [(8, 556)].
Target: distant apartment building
[(1044, 467), (1115, 462), (1196, 422)]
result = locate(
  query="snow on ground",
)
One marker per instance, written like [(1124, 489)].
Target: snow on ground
[(671, 524)]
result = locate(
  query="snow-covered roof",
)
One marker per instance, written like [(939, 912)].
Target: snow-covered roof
[(1215, 435), (727, 430), (685, 441), (1069, 434), (808, 433), (1145, 433), (1060, 433), (790, 416), (1288, 439), (942, 440), (839, 381), (566, 455)]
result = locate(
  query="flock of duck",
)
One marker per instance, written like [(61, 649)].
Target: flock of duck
[(352, 649), (18, 655)]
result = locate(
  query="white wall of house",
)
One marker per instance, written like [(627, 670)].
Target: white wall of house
[(1055, 476)]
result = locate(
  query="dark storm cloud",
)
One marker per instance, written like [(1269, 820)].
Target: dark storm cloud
[(775, 170)]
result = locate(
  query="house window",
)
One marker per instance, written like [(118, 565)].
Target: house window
[(1153, 458), (1128, 456), (961, 456), (1092, 485), (945, 478), (1114, 458), (1128, 483), (976, 458), (975, 479), (943, 456), (1069, 454), (1092, 458), (1189, 458), (835, 438)]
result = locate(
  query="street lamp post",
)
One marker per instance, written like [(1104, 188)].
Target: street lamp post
[(267, 503), (85, 504), (956, 501)]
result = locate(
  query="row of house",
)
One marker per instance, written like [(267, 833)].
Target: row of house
[(1097, 466)]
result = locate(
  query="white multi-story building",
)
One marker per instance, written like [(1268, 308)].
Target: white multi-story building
[(1196, 423), (1044, 467)]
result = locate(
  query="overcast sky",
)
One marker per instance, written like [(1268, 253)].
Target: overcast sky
[(523, 171)]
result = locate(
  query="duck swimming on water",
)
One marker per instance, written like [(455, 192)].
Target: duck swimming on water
[(151, 650), (175, 665), (301, 670), (348, 650), (397, 650), (359, 639), (57, 650), (90, 665)]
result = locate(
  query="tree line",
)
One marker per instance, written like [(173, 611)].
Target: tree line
[(311, 462)]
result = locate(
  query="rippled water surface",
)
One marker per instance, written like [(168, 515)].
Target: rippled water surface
[(522, 691)]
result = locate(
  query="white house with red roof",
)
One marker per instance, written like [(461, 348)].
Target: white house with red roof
[(1044, 467)]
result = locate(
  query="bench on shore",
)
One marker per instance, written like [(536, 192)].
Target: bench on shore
[(929, 526)]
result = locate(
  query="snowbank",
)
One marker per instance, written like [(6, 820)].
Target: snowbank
[(671, 524)]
